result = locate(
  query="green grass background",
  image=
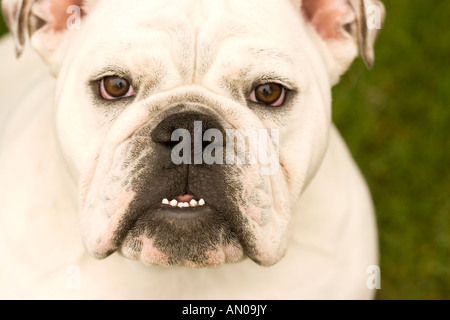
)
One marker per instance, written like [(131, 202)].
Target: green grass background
[(396, 121)]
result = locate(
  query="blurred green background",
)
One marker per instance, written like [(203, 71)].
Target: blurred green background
[(396, 120)]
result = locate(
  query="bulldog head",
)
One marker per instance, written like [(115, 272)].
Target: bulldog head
[(131, 75)]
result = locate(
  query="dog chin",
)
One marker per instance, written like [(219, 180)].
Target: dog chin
[(175, 236), (144, 250)]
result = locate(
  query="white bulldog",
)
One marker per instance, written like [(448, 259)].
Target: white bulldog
[(92, 204)]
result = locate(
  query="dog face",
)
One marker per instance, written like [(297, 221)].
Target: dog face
[(212, 71)]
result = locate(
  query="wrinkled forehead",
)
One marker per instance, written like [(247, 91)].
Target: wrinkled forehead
[(194, 28), (194, 12)]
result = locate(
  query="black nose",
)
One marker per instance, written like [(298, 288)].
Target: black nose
[(170, 130)]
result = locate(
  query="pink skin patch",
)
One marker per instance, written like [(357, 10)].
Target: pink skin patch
[(150, 255), (232, 253), (326, 16), (216, 258)]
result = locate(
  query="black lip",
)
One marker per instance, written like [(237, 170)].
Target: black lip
[(164, 211)]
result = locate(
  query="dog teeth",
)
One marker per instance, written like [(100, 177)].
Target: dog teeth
[(193, 203), (183, 204), (175, 203)]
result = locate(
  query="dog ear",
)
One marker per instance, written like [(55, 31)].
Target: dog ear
[(16, 14), (44, 22), (344, 24), (370, 16)]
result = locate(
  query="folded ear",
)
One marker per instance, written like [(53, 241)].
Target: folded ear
[(45, 22), (16, 14), (346, 26), (370, 16)]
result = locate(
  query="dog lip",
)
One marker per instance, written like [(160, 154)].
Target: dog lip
[(163, 211)]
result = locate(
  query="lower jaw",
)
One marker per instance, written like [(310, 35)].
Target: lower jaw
[(172, 236), (149, 255)]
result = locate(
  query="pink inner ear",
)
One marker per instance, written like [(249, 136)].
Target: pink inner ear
[(58, 12), (326, 16)]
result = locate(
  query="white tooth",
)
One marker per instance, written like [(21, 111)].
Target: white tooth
[(193, 203), (185, 204), (180, 204), (165, 201), (173, 203), (201, 202)]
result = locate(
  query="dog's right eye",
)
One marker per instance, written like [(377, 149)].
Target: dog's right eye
[(114, 87), (271, 94)]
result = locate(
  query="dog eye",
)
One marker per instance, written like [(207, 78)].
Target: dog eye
[(272, 94), (114, 87)]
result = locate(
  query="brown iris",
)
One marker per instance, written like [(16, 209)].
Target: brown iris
[(116, 87), (268, 93)]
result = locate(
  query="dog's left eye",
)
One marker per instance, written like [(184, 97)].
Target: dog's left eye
[(114, 87), (272, 94)]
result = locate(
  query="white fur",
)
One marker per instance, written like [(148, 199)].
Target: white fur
[(332, 229)]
